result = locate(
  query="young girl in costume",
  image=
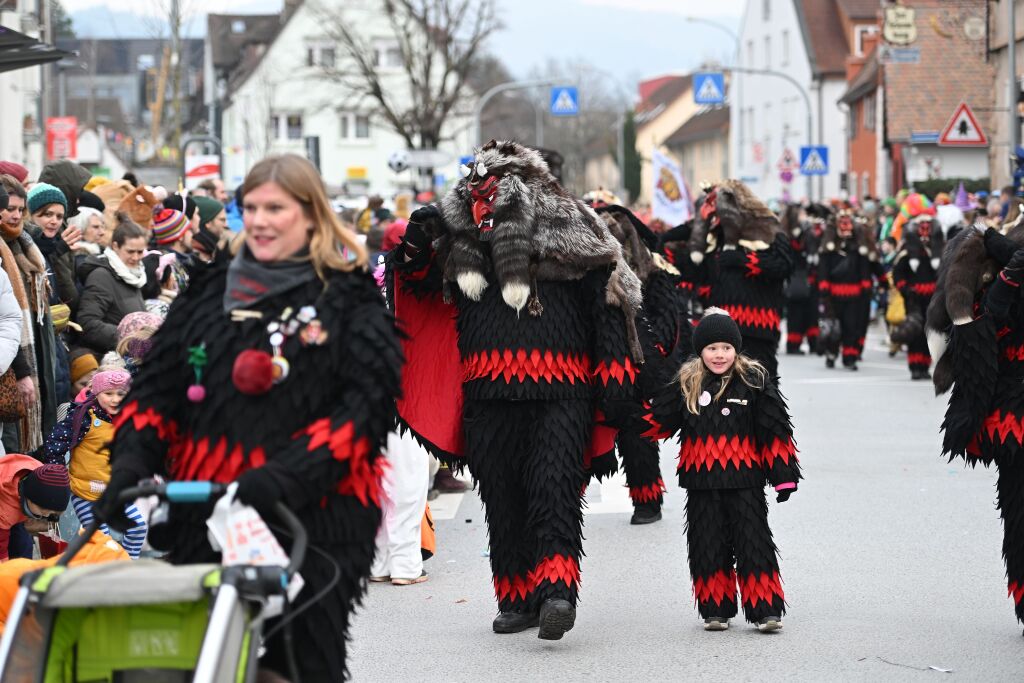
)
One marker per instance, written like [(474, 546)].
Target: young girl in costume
[(87, 431), (735, 434)]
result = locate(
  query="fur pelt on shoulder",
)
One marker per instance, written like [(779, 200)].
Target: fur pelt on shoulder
[(728, 213), (139, 205), (537, 231)]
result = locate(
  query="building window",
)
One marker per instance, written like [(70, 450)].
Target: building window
[(859, 32), (286, 126), (766, 10), (354, 126), (387, 54), (767, 52), (851, 120), (869, 105), (785, 48), (238, 26), (321, 54)]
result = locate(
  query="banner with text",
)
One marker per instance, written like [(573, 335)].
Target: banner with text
[(671, 202)]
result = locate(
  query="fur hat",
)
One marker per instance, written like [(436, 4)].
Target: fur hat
[(42, 195), (48, 487), (106, 380), (169, 226), (715, 327), (139, 205)]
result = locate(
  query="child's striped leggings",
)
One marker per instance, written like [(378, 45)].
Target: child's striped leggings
[(133, 538)]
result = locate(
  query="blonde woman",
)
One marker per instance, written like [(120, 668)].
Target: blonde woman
[(735, 435), (278, 370)]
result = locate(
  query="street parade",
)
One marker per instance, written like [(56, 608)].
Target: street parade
[(407, 396)]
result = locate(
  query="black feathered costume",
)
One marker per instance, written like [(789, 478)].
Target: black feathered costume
[(984, 422), (317, 434), (914, 273), (665, 336), (728, 450), (802, 285), (745, 259), (506, 379)]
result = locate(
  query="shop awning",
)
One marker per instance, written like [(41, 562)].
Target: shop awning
[(18, 51)]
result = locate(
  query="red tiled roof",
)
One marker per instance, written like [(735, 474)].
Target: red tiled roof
[(824, 36), (664, 96), (702, 125)]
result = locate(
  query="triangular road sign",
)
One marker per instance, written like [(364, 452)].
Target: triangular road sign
[(963, 129), (709, 91)]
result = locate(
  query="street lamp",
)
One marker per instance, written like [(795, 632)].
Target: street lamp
[(720, 27)]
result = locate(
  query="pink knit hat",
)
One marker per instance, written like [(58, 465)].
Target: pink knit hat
[(110, 379)]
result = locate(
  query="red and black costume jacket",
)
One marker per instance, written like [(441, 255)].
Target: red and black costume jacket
[(916, 286), (804, 265), (665, 331), (845, 275), (742, 440), (749, 285), (576, 349), (319, 432)]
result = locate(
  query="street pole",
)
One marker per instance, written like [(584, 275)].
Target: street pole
[(800, 89), (1011, 58), (737, 153), (497, 90), (620, 153)]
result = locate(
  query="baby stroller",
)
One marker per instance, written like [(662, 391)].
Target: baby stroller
[(146, 620)]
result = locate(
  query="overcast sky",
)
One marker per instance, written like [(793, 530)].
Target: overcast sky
[(626, 39)]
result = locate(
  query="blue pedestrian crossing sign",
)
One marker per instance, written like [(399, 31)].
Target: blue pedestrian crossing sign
[(565, 101), (814, 160), (709, 88)]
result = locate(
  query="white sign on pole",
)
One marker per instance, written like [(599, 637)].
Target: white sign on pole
[(671, 202)]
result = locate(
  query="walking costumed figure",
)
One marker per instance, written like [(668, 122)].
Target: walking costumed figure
[(802, 286), (520, 315), (665, 337), (847, 266), (735, 435), (914, 273), (746, 259), (976, 330)]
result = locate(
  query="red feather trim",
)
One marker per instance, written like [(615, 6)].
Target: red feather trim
[(554, 569), (536, 364), (794, 338), (778, 448), (363, 478), (1014, 353), (166, 430), (615, 370), (723, 450), (919, 359), (753, 316), (753, 264), (512, 587), (844, 289), (716, 588), (999, 427), (648, 493), (923, 288), (1017, 591), (656, 432), (755, 588)]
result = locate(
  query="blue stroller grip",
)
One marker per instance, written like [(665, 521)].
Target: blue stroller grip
[(191, 491)]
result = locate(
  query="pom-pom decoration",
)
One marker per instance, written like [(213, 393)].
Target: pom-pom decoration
[(253, 372)]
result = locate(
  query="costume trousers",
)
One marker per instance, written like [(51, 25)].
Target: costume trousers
[(730, 543), (918, 356), (527, 459), (801, 323), (852, 328), (1010, 486), (765, 352), (640, 460), (404, 486)]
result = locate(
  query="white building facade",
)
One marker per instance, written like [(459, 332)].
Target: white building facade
[(769, 114), (22, 136), (287, 99)]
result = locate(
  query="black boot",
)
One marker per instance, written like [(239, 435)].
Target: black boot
[(646, 513), (514, 622), (556, 617), (830, 362)]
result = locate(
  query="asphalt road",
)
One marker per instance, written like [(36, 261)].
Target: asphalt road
[(890, 557)]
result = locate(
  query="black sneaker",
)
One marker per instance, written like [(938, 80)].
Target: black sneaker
[(830, 362), (556, 617), (716, 624), (514, 622), (769, 624), (646, 513)]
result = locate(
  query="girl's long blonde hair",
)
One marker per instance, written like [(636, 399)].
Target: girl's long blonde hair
[(693, 374), (332, 246)]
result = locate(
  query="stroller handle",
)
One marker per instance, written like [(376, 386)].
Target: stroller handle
[(191, 492)]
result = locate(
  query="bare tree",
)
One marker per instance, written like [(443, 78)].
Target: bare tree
[(437, 42)]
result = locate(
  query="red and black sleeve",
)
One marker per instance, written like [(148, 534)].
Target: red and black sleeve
[(773, 434)]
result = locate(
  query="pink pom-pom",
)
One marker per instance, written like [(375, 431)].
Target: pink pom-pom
[(196, 393)]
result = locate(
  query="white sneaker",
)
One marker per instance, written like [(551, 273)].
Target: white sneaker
[(716, 624), (769, 624)]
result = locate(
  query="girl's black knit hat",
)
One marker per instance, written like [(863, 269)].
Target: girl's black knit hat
[(717, 326)]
